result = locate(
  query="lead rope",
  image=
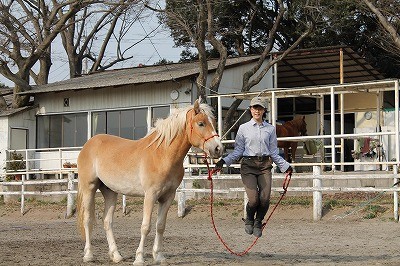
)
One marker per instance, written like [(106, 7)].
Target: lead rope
[(213, 171)]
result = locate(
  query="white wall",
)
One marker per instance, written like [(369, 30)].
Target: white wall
[(3, 142), (109, 98), (23, 120)]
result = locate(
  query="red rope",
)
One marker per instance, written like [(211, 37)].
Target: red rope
[(240, 254)]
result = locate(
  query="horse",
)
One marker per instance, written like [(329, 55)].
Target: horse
[(151, 167), (292, 128)]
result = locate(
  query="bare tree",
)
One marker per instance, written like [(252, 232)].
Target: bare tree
[(28, 29), (179, 15), (112, 22)]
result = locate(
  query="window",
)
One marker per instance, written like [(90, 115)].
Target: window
[(159, 112), (55, 131), (71, 130), (130, 124)]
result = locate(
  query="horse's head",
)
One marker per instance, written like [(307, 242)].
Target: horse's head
[(302, 126), (202, 132)]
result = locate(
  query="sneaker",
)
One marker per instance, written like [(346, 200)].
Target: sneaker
[(248, 226), (257, 229)]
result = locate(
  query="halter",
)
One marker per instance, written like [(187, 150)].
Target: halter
[(205, 139)]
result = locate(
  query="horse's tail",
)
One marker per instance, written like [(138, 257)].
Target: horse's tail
[(85, 208)]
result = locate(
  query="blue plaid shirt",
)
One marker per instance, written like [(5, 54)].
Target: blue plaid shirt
[(253, 139)]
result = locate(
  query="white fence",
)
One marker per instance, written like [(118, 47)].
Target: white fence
[(317, 188), (23, 183)]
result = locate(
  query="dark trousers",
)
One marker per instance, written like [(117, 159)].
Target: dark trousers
[(257, 178)]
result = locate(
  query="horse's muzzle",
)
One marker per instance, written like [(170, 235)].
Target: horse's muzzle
[(215, 149)]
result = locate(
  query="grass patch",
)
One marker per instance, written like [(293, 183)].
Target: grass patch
[(373, 211), (289, 201), (196, 184)]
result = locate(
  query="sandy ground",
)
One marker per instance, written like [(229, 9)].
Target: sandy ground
[(43, 237)]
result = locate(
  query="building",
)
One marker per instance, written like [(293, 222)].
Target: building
[(126, 102)]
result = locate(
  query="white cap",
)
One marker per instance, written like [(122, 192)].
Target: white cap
[(258, 101)]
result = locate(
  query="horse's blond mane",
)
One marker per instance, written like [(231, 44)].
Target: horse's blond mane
[(167, 129)]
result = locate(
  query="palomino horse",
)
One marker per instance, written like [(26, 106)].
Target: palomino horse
[(151, 167), (292, 128)]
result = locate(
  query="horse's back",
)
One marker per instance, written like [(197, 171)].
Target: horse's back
[(104, 145), (117, 162)]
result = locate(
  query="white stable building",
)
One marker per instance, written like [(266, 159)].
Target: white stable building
[(126, 102)]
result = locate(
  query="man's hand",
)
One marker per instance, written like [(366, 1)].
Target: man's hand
[(219, 165)]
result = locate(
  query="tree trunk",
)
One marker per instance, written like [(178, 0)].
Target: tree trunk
[(19, 100)]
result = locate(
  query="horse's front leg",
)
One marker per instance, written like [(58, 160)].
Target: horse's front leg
[(163, 208), (294, 148), (286, 152), (148, 204)]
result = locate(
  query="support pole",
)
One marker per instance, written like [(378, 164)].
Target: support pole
[(341, 97), (273, 109), (333, 150), (219, 116), (317, 195), (322, 126), (396, 120), (395, 195)]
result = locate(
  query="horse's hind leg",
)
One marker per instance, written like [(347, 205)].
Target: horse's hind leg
[(110, 199), (86, 219), (148, 204), (163, 207)]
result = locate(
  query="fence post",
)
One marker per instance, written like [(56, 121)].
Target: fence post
[(245, 201), (317, 195), (70, 195), (182, 200), (124, 204), (22, 194), (395, 195)]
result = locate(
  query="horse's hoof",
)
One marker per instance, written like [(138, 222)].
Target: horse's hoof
[(116, 257), (138, 262), (88, 255), (88, 258), (160, 259)]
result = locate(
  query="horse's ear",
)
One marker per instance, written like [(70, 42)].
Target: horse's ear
[(304, 117), (196, 106)]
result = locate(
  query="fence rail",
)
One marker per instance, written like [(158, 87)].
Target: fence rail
[(317, 188), (70, 192)]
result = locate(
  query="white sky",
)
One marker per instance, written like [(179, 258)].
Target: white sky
[(143, 53)]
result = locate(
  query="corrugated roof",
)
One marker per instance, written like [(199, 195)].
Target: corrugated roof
[(321, 66), (303, 67), (136, 75)]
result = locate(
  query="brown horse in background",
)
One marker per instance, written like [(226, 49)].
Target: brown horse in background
[(292, 128)]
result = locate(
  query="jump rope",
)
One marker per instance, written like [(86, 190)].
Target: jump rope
[(285, 185), (211, 172)]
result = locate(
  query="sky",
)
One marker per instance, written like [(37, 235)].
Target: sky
[(158, 46)]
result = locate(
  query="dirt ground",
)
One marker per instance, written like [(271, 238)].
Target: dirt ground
[(43, 237)]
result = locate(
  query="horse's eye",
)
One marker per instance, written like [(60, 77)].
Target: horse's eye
[(201, 124)]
